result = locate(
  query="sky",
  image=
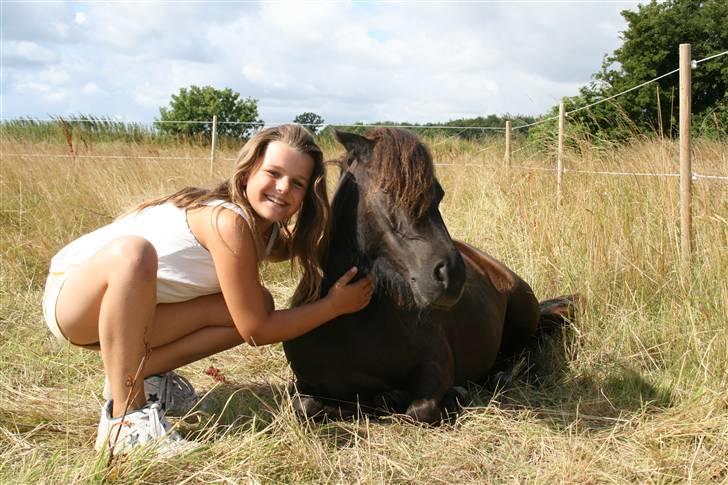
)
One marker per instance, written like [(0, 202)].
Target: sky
[(419, 61)]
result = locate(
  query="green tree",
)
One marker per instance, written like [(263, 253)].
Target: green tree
[(310, 120), (651, 48), (236, 117)]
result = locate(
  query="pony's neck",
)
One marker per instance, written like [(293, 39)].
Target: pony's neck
[(344, 251)]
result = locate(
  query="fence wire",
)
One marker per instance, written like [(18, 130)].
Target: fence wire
[(695, 176)]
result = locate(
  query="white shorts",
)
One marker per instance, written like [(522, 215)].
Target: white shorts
[(53, 286)]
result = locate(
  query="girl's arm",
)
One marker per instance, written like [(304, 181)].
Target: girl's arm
[(233, 252)]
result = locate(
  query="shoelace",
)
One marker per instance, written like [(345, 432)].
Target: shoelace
[(155, 422)]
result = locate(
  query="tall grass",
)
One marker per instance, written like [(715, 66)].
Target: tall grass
[(636, 392), (82, 133)]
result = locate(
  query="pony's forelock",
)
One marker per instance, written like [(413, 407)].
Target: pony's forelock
[(401, 166)]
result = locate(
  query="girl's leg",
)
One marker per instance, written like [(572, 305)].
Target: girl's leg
[(189, 331), (191, 348), (114, 294), (111, 299)]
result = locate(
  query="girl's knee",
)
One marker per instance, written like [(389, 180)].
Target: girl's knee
[(132, 255)]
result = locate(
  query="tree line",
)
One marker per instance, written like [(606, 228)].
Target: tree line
[(650, 48)]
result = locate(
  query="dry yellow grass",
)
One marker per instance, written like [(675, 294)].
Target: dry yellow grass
[(638, 392)]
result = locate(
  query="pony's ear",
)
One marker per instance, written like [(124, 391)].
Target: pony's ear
[(353, 142)]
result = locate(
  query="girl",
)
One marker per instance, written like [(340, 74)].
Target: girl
[(177, 279)]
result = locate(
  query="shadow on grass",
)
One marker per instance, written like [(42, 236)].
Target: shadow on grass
[(600, 399), (254, 407), (231, 406)]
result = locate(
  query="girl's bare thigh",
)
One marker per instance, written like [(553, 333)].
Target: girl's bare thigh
[(80, 299), (82, 294)]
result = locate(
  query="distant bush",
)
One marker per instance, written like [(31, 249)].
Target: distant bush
[(191, 110), (311, 121)]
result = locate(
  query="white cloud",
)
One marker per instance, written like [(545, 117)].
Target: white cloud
[(254, 72), (38, 22), (24, 52), (55, 75), (346, 61), (44, 91), (91, 88)]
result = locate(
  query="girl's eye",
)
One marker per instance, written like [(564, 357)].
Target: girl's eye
[(299, 185), (272, 173)]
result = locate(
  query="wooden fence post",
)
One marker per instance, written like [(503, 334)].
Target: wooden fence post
[(560, 159), (507, 156), (214, 143), (686, 240)]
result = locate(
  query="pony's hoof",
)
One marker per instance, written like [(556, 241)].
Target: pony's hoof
[(304, 406), (392, 402), (501, 380), (453, 402)]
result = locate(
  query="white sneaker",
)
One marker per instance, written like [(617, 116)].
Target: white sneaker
[(145, 426), (173, 392)]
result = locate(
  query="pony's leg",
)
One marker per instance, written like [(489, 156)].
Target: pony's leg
[(521, 322), (432, 383), (307, 406), (393, 401), (434, 411), (455, 398)]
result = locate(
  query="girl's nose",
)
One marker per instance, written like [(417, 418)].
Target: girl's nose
[(282, 185)]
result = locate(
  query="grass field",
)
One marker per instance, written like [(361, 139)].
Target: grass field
[(636, 392)]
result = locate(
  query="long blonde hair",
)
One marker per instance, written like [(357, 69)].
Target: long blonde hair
[(310, 234)]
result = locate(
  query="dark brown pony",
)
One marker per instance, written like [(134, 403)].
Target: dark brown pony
[(443, 312)]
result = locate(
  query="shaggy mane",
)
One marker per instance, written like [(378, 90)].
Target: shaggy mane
[(402, 167)]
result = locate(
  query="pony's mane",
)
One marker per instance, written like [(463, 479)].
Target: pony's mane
[(401, 166)]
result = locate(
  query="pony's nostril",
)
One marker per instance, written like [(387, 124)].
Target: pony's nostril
[(441, 272)]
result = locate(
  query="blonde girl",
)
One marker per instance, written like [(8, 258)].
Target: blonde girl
[(177, 280)]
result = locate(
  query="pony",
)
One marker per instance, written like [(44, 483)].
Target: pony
[(443, 313)]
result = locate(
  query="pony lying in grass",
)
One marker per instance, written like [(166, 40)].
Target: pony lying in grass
[(443, 313)]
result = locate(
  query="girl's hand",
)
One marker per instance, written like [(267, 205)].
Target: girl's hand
[(349, 298)]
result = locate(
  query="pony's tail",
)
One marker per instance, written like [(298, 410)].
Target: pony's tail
[(559, 312)]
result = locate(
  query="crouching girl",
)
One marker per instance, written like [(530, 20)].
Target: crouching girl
[(177, 280)]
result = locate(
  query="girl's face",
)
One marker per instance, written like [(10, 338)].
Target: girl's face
[(277, 187)]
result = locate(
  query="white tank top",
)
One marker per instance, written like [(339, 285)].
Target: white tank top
[(185, 268)]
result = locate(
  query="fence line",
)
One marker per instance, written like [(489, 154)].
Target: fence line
[(695, 176)]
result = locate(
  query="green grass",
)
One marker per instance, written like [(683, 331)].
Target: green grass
[(636, 392)]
